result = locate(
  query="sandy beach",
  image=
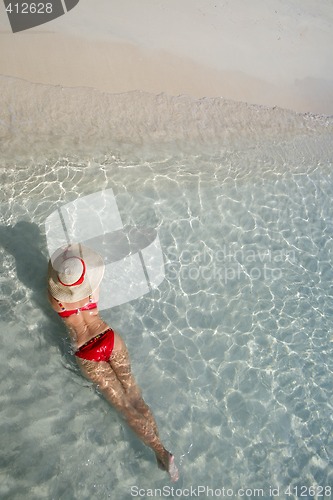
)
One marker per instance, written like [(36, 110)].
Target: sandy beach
[(261, 52), (209, 124)]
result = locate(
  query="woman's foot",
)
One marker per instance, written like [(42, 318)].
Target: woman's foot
[(168, 464)]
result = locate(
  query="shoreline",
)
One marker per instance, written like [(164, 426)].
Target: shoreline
[(44, 120), (257, 53), (224, 74), (116, 67), (193, 96)]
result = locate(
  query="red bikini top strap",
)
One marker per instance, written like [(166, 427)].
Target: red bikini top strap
[(64, 308), (60, 304)]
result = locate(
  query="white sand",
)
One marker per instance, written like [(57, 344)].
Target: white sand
[(275, 53)]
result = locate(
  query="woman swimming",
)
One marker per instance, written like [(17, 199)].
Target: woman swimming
[(74, 276)]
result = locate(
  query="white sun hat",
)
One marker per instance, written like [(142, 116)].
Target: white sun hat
[(74, 273)]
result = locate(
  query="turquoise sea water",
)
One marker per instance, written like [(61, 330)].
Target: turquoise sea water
[(233, 350)]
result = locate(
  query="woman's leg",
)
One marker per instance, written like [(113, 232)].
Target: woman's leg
[(121, 365), (104, 376)]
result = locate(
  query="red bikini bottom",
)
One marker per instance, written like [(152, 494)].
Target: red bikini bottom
[(98, 348)]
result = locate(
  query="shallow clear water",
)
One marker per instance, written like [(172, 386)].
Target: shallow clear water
[(233, 351)]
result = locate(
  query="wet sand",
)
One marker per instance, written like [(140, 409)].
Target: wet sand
[(261, 53)]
